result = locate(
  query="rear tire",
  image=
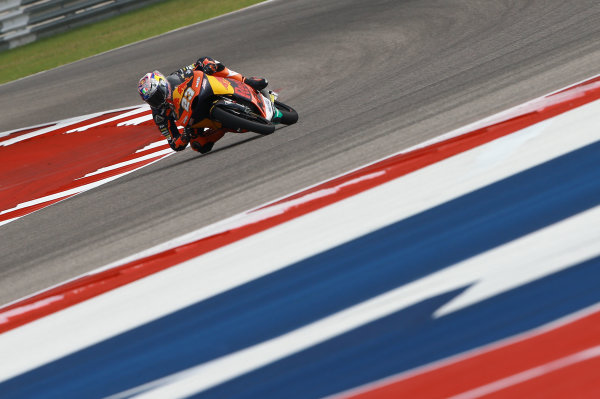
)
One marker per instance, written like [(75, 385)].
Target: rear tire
[(230, 119), (290, 116)]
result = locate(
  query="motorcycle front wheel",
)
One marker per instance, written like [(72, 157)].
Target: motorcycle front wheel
[(231, 119), (289, 114)]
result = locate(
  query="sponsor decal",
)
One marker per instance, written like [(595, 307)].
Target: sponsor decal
[(226, 84)]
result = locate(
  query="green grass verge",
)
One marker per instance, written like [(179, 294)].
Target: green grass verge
[(106, 35)]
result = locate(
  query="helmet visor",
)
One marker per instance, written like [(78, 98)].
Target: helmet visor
[(159, 96)]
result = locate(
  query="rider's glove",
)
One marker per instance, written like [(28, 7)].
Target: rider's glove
[(189, 133), (256, 83), (207, 66)]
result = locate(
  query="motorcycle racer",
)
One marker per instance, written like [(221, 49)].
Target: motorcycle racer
[(156, 90)]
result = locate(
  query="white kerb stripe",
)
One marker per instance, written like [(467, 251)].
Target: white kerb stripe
[(143, 108), (166, 152)]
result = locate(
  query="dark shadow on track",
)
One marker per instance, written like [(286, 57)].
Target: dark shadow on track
[(196, 156)]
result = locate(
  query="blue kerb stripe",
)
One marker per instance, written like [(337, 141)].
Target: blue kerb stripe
[(341, 277), (411, 338)]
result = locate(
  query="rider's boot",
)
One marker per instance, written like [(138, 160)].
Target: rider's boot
[(256, 83), (205, 142)]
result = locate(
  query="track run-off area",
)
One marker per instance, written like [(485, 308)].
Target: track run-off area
[(433, 252)]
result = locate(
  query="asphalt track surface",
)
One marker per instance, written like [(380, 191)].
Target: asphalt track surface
[(369, 78)]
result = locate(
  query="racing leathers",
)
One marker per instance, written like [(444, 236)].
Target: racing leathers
[(201, 140)]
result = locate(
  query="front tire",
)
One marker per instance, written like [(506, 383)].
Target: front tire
[(231, 119), (290, 116)]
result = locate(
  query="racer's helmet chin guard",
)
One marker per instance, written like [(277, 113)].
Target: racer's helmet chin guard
[(154, 89)]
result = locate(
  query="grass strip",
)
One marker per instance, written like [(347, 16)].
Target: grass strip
[(106, 35)]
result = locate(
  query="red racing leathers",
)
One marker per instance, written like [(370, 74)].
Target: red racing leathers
[(201, 140)]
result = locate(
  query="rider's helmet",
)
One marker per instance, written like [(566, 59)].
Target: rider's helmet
[(154, 89)]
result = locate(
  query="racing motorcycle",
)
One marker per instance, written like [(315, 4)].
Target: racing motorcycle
[(205, 101)]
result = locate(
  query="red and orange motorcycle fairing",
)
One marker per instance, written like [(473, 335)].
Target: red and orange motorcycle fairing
[(201, 88), (184, 95), (244, 92)]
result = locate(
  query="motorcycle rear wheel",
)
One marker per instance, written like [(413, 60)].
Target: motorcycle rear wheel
[(231, 119)]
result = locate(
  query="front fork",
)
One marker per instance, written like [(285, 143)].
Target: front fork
[(271, 96)]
